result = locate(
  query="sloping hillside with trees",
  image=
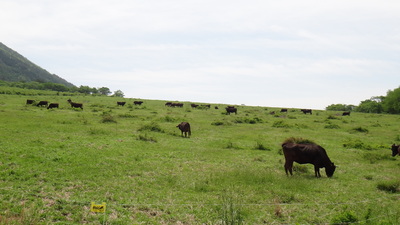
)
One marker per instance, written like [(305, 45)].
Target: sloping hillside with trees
[(377, 104), (16, 68)]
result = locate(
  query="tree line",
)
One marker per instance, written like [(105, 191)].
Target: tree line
[(377, 104), (62, 88)]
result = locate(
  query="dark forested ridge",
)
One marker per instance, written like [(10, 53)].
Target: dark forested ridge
[(14, 67)]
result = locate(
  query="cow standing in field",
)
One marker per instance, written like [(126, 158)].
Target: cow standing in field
[(231, 109), (137, 102), (395, 150), (284, 110), (307, 153), (185, 129), (75, 105), (52, 105), (194, 105), (30, 102), (346, 114), (43, 103), (121, 103), (305, 111)]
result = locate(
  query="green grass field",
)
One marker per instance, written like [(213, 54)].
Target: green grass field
[(54, 163)]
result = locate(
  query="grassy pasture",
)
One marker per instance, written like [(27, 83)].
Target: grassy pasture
[(54, 163)]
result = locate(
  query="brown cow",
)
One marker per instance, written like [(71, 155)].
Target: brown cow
[(185, 128), (75, 105), (43, 103), (305, 111), (52, 105), (194, 105), (29, 101), (395, 150), (307, 153), (346, 114), (231, 109)]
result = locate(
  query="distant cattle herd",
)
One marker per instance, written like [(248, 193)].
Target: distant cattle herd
[(293, 152)]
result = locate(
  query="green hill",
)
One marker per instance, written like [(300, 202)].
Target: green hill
[(14, 67)]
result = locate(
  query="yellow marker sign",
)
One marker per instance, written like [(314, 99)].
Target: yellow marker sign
[(98, 208)]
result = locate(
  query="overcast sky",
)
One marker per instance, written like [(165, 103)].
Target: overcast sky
[(293, 53)]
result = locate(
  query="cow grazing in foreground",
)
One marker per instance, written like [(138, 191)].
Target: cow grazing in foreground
[(307, 153), (395, 150), (43, 103), (185, 128), (75, 105), (283, 110), (52, 105), (121, 103), (346, 114), (29, 101), (305, 111), (138, 102)]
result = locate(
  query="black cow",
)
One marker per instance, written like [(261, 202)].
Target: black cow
[(395, 150), (194, 105), (138, 102), (231, 109), (307, 153), (185, 128), (283, 110), (29, 102), (75, 105), (346, 114), (305, 111), (177, 105), (52, 105), (168, 104), (121, 103), (43, 103)]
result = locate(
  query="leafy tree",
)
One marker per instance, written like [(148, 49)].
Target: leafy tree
[(391, 103), (370, 106), (85, 89), (118, 93), (340, 107), (104, 91)]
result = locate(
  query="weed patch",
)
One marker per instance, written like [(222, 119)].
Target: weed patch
[(392, 186), (357, 144), (153, 127), (281, 124)]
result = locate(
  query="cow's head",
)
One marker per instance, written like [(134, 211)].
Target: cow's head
[(395, 149), (330, 169)]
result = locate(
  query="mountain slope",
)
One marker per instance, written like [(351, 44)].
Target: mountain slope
[(15, 67)]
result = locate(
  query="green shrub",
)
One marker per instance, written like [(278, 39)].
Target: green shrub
[(281, 124), (154, 127), (346, 217), (332, 126), (108, 118), (357, 144), (392, 186), (360, 129), (260, 146)]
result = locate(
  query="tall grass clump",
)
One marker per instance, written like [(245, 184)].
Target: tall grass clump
[(391, 186), (357, 144), (153, 127)]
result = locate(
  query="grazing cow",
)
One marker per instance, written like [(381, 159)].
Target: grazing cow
[(52, 105), (121, 103), (307, 153), (346, 114), (194, 105), (272, 113), (75, 105), (231, 109), (168, 104), (177, 105), (185, 128), (395, 150), (305, 111), (216, 107), (43, 103), (283, 110), (137, 102), (29, 102)]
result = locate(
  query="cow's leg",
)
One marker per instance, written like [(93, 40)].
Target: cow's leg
[(317, 174), (288, 167)]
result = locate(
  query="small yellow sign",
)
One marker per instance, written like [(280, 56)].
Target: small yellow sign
[(98, 208)]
